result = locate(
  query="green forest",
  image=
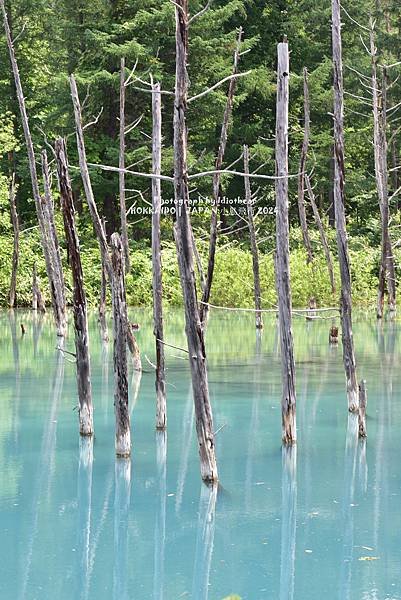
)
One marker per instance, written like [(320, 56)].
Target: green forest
[(53, 40)]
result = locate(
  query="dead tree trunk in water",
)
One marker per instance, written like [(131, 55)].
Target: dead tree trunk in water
[(12, 296), (61, 327), (79, 297), (121, 174), (102, 299), (283, 283), (339, 205), (37, 298), (123, 432), (322, 233), (161, 413), (216, 184), (302, 168), (100, 233), (254, 245), (194, 332), (363, 400)]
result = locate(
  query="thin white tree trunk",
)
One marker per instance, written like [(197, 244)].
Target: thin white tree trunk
[(121, 174), (302, 169)]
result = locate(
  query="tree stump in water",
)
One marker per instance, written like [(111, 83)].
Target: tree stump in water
[(363, 400)]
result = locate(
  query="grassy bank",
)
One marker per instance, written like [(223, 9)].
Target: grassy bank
[(233, 275)]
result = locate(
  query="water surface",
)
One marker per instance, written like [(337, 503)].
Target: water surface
[(322, 520)]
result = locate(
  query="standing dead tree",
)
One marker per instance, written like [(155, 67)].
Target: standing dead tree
[(79, 297), (102, 298), (161, 412), (50, 269), (37, 298), (12, 296), (123, 432), (121, 163), (339, 206), (254, 245), (194, 331), (322, 233), (302, 168), (379, 107), (216, 183), (282, 262)]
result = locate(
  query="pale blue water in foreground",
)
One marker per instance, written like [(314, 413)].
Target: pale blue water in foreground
[(321, 522)]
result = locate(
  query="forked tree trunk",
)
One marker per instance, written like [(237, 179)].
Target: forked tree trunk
[(322, 233), (254, 245), (203, 310), (32, 166), (161, 412), (123, 432), (341, 230), (121, 174), (12, 296), (79, 297), (100, 233), (302, 169), (288, 403), (37, 298), (194, 332)]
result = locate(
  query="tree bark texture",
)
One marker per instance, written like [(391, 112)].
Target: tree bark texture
[(121, 175), (12, 296)]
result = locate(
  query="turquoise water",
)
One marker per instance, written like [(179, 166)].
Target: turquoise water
[(321, 521)]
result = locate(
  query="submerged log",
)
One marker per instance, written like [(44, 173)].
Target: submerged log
[(12, 296), (282, 262), (79, 297), (302, 168), (363, 400), (339, 206), (161, 412), (193, 328), (254, 245), (123, 432)]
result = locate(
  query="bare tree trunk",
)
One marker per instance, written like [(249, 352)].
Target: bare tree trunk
[(254, 245), (363, 400), (283, 284), (123, 432), (161, 409), (322, 233), (12, 296), (302, 168), (37, 298), (216, 184), (102, 299), (342, 241), (121, 174), (194, 332), (32, 164), (79, 297), (57, 282), (100, 233)]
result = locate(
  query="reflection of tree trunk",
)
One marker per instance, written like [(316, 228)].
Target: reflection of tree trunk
[(288, 522), (46, 461), (160, 524), (122, 501), (17, 393), (84, 514), (350, 460), (204, 542), (37, 327), (187, 433)]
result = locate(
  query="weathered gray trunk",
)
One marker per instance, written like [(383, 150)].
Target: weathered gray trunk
[(102, 299), (194, 332), (37, 298), (302, 169), (363, 400), (322, 233), (203, 310), (282, 262), (254, 245), (123, 432), (121, 174), (12, 296), (161, 412), (339, 206), (32, 164), (57, 287), (79, 297), (100, 232)]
